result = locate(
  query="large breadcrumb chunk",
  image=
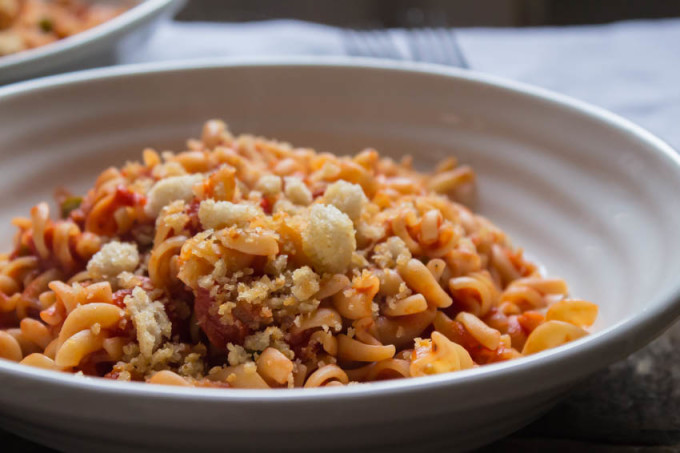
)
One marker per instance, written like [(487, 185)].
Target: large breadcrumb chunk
[(347, 197), (297, 191), (112, 259), (150, 320), (170, 189), (222, 214), (328, 239)]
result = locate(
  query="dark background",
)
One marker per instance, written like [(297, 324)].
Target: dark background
[(414, 13)]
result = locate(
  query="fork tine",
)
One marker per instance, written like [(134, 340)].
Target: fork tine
[(426, 52), (420, 47), (456, 56), (376, 44), (353, 43), (434, 45), (423, 50), (357, 45), (438, 51), (439, 36), (429, 45), (388, 48), (412, 44), (348, 43)]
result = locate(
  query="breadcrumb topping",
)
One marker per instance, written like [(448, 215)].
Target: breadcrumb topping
[(170, 189), (174, 216), (269, 185), (347, 197), (222, 214), (328, 239), (150, 320), (112, 259), (392, 252), (237, 354), (297, 191), (305, 283)]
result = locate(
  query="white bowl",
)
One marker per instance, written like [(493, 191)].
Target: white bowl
[(591, 196), (94, 47)]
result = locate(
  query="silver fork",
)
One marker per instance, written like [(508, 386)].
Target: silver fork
[(371, 43), (427, 45), (435, 45)]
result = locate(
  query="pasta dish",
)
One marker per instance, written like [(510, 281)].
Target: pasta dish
[(249, 263), (26, 24)]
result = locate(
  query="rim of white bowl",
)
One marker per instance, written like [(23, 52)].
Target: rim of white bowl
[(117, 26), (654, 319)]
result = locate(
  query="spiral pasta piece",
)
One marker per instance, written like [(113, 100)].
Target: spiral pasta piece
[(581, 313), (38, 360), (438, 355), (167, 377), (476, 292), (9, 347), (76, 347), (275, 366), (550, 335), (356, 351), (420, 279), (326, 375)]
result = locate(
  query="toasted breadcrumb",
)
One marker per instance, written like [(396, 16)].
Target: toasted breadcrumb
[(174, 215), (269, 185), (128, 280), (391, 252), (347, 197), (112, 259), (259, 341), (328, 239), (222, 214), (284, 205), (150, 320), (369, 232), (297, 191), (237, 354), (305, 283), (170, 189)]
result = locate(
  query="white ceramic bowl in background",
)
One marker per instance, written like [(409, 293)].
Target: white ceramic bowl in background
[(591, 196), (94, 47)]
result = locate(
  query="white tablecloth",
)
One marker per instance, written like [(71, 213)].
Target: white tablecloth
[(631, 68)]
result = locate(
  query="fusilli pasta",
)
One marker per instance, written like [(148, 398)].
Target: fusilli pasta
[(26, 24), (245, 262)]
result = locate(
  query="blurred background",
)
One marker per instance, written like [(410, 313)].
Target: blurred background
[(415, 13)]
